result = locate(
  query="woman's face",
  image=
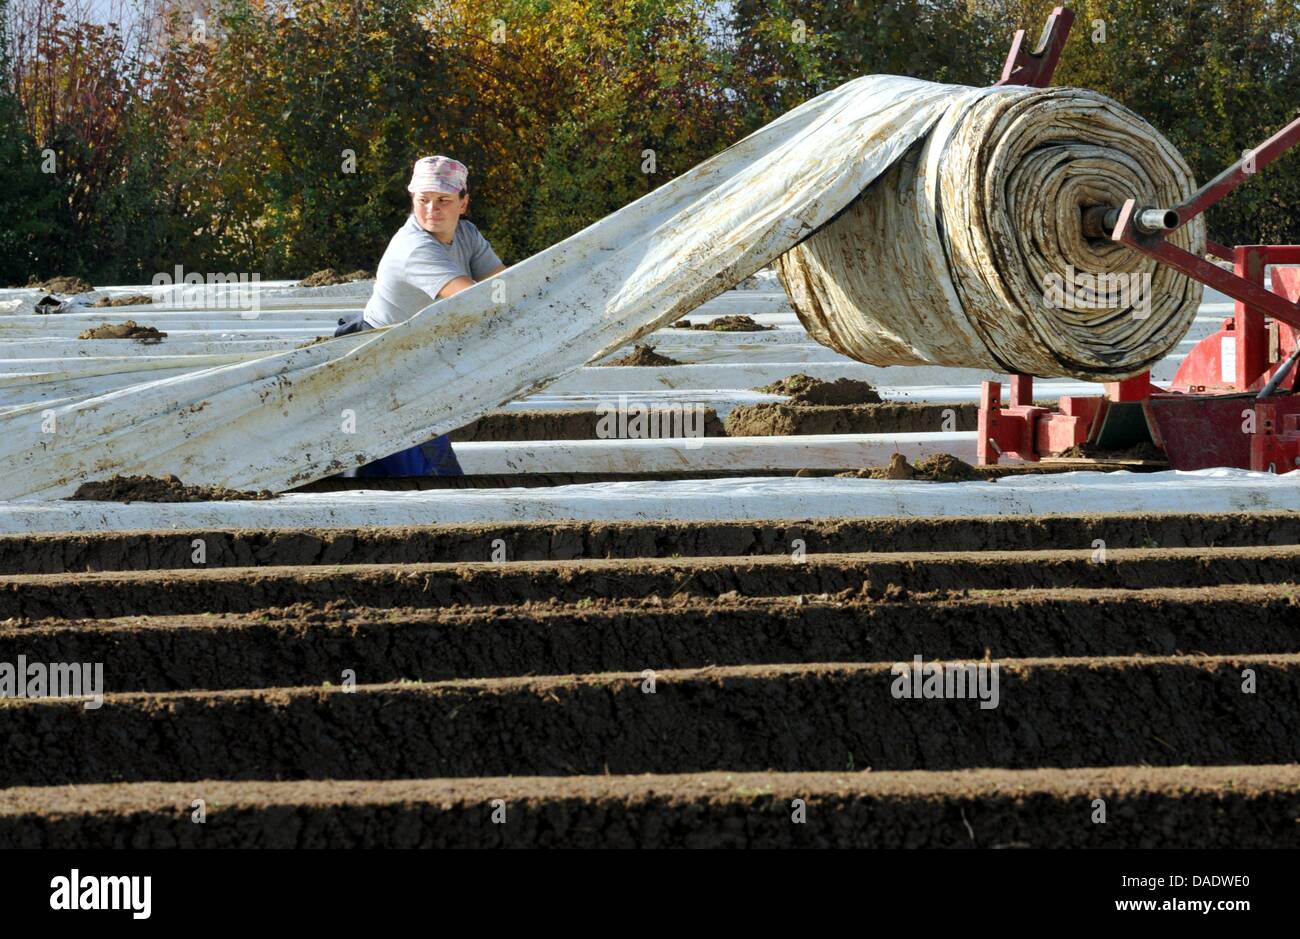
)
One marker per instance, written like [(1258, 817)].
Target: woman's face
[(438, 212)]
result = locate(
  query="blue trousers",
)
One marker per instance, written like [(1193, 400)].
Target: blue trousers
[(431, 458)]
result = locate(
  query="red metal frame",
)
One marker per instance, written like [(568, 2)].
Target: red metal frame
[(1211, 415), (1036, 68)]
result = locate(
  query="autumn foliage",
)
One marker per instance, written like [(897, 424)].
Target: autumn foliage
[(276, 137)]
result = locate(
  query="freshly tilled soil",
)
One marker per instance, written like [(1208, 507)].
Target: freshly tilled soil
[(159, 489), (1050, 713), (236, 590), (805, 390), (305, 645), (1148, 807), (890, 417), (540, 541), (1170, 658)]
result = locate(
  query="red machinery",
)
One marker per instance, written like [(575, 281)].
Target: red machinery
[(1231, 401)]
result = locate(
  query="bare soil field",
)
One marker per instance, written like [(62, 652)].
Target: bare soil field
[(1198, 807), (661, 684)]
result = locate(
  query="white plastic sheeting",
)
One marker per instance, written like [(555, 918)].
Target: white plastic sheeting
[(734, 454), (1221, 490), (281, 419)]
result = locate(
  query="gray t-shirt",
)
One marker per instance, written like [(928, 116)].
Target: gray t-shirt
[(416, 265)]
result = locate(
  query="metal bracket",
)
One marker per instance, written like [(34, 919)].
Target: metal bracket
[(1127, 227), (1196, 267), (1036, 68)]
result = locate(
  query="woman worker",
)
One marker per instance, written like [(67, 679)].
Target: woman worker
[(434, 255)]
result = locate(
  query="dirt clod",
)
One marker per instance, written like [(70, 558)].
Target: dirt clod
[(155, 489), (791, 385), (330, 277), (67, 285), (644, 356), (944, 468), (134, 299), (890, 593), (898, 468), (726, 324), (128, 330), (803, 389), (936, 468), (780, 419)]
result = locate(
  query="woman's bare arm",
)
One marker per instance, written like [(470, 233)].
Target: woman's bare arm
[(464, 283)]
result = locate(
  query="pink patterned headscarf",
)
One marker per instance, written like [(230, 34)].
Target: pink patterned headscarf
[(438, 174)]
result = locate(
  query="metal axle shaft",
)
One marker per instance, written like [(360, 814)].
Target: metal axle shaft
[(1100, 220)]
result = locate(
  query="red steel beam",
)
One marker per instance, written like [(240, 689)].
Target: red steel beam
[(1238, 288), (1022, 390), (1036, 68), (1248, 324), (1221, 252)]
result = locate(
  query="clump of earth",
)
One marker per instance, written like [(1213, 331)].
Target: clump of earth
[(158, 489), (726, 324), (944, 468), (128, 330), (936, 468), (898, 468), (134, 299), (806, 390), (64, 285), (890, 593), (643, 355), (330, 277)]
